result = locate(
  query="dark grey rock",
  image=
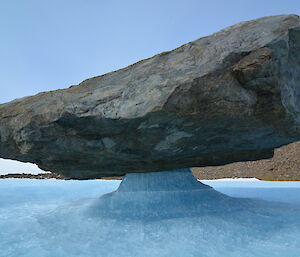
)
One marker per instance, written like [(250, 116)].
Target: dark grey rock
[(228, 97)]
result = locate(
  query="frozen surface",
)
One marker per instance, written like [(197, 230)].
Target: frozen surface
[(54, 218)]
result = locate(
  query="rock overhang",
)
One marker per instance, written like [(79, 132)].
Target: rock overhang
[(228, 97)]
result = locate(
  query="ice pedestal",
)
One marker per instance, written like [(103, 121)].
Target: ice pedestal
[(167, 194)]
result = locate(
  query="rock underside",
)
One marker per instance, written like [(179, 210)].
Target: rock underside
[(231, 96)]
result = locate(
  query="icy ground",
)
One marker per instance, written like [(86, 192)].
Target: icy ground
[(53, 218)]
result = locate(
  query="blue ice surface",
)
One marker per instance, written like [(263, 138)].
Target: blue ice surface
[(53, 218)]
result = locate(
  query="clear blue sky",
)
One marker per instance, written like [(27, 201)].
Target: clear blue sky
[(53, 44)]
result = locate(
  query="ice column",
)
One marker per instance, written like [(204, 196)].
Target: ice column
[(157, 195)]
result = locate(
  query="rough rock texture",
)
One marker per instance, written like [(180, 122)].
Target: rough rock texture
[(285, 165), (228, 97)]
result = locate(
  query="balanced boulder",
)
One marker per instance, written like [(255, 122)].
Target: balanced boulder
[(231, 96)]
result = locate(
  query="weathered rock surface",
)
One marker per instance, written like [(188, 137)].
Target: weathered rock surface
[(228, 97)]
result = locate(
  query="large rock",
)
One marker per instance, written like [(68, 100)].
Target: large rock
[(228, 97)]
